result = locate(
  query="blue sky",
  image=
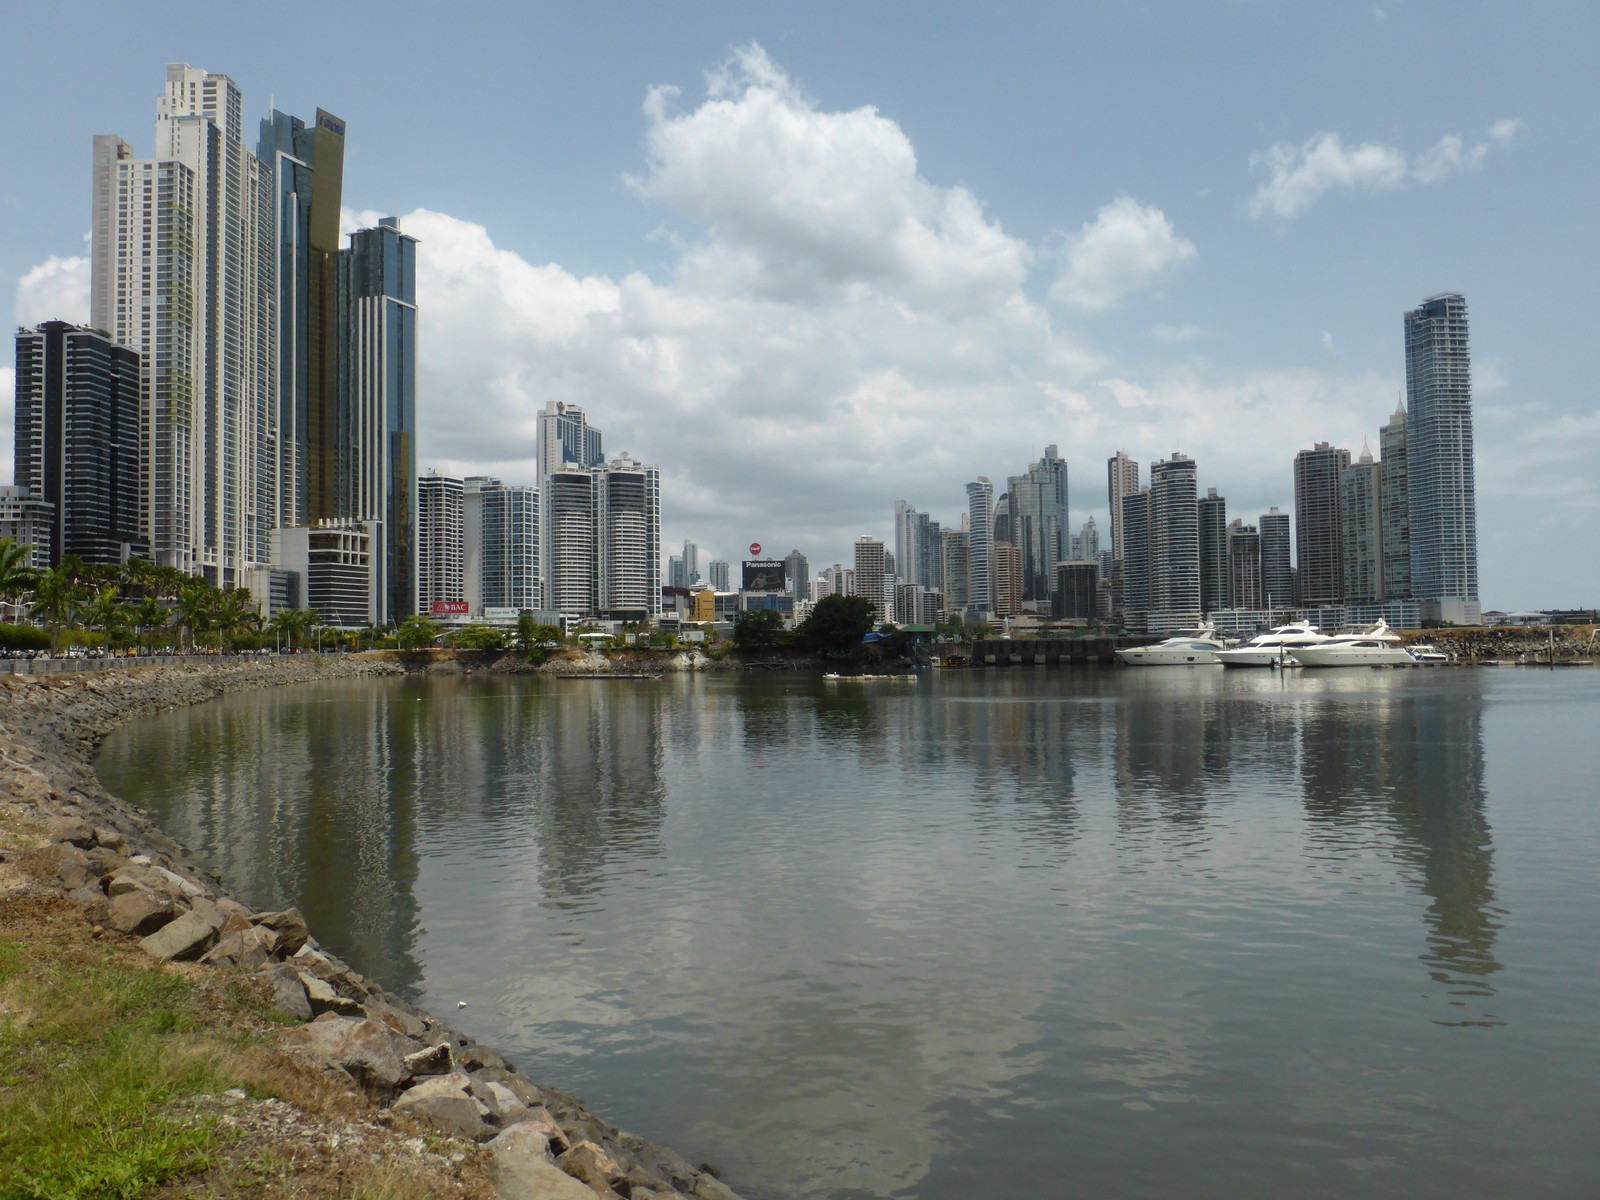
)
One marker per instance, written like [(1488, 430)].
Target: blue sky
[(813, 260)]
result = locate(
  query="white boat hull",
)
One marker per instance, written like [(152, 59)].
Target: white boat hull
[(1353, 656), (1157, 656)]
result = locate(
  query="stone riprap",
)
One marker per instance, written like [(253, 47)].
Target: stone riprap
[(131, 879)]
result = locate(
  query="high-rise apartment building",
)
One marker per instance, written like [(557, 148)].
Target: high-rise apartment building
[(628, 540), (567, 538), (566, 438), (1174, 545), (1213, 524), (1319, 540), (1244, 566), (1122, 479), (1441, 483), (1133, 543), (957, 578), (1277, 570), (29, 521), (980, 540), (77, 441), (869, 573), (721, 574), (183, 273), (1037, 510), (1073, 596), (1394, 490), (440, 541), (1361, 530), (1086, 546), (691, 564), (1006, 569), (500, 545)]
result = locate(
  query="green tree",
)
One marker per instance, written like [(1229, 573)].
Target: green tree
[(418, 632), (837, 624), (56, 600), (146, 617), (104, 612), (480, 637), (16, 577), (756, 628), (234, 612), (194, 610)]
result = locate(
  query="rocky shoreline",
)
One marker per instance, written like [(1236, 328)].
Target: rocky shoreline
[(131, 881)]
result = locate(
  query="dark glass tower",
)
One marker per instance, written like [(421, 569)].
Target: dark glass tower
[(77, 439), (1318, 527)]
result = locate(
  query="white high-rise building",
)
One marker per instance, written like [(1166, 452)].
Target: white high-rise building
[(500, 545), (183, 271), (980, 544), (440, 550), (603, 540)]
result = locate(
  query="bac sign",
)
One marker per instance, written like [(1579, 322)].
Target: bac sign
[(451, 608)]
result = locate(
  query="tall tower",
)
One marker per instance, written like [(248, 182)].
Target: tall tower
[(628, 540), (1213, 512), (1244, 566), (1277, 571), (869, 572), (1317, 525), (1174, 545), (567, 443), (1038, 521), (183, 272), (1440, 470), (440, 536), (980, 540), (377, 303), (1122, 479), (1361, 530), (1394, 489), (77, 440)]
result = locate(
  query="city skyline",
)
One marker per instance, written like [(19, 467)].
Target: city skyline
[(1228, 283)]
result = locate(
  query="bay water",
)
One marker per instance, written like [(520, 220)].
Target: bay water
[(1091, 932)]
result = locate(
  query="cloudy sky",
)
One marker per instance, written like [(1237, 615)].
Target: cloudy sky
[(814, 259)]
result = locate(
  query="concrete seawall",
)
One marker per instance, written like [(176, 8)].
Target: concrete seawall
[(132, 881)]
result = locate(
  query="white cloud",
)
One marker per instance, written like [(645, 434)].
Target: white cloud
[(1129, 246), (1299, 176), (56, 290)]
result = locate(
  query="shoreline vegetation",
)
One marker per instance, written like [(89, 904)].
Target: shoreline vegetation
[(162, 1039)]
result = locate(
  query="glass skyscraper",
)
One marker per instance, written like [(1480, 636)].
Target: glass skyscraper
[(1440, 480)]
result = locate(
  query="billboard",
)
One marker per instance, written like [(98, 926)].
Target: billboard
[(451, 608), (763, 575)]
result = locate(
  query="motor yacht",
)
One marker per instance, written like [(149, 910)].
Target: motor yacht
[(1427, 655), (1186, 649), (1375, 647), (1271, 649)]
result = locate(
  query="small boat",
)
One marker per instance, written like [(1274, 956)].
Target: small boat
[(1272, 649), (1427, 655), (1197, 648), (1375, 647), (835, 678)]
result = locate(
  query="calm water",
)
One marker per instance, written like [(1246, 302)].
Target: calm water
[(1103, 933)]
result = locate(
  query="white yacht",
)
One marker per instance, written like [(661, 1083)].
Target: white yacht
[(1199, 647), (1375, 647), (1427, 655), (1272, 649)]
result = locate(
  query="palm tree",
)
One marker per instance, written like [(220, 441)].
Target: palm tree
[(234, 610), (195, 606), (147, 616), (16, 576), (103, 612), (55, 601)]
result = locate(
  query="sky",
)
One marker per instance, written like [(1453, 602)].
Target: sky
[(811, 260)]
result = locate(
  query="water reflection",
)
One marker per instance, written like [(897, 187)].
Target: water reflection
[(854, 937)]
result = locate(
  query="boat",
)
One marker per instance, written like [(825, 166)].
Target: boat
[(835, 678), (1197, 648), (1428, 655), (1375, 647), (1272, 649)]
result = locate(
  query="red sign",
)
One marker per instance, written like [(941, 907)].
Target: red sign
[(451, 608), (755, 549)]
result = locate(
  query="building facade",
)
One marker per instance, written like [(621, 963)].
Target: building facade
[(1319, 540), (1244, 566), (1213, 529), (500, 545), (77, 441), (1394, 490), (1122, 479), (980, 540), (869, 574), (1174, 545), (1277, 568), (1037, 509), (1441, 472), (440, 542), (1361, 530)]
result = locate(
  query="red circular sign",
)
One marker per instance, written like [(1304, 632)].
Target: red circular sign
[(755, 549)]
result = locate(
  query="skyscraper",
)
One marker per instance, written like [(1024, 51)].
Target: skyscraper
[(1122, 479), (1244, 566), (1037, 508), (1440, 470), (1395, 497), (1361, 530), (77, 440), (1213, 513), (628, 539), (1318, 538), (719, 572), (566, 437), (440, 534), (1133, 541), (1174, 545), (182, 272), (568, 447), (500, 544), (869, 573), (377, 388), (1277, 571), (957, 571), (980, 538), (796, 571)]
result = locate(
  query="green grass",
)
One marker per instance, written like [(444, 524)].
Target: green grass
[(93, 1053)]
